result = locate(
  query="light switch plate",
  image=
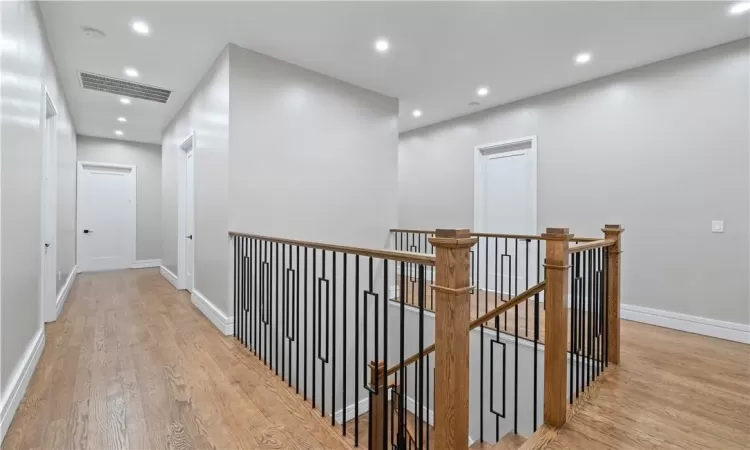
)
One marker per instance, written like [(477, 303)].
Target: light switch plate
[(717, 226)]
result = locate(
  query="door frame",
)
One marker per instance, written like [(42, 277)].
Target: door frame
[(527, 144), (185, 146), (48, 294), (132, 223)]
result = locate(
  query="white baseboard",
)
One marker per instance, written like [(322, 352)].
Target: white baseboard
[(144, 263), (693, 324), (364, 406), (63, 295), (213, 314), (19, 381), (172, 278)]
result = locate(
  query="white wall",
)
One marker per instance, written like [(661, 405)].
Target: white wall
[(663, 150), (26, 65), (147, 159), (207, 114)]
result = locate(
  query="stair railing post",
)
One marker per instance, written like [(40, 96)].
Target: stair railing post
[(556, 326), (377, 419), (452, 286), (613, 290)]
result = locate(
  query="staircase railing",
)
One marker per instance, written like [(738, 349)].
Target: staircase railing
[(338, 324)]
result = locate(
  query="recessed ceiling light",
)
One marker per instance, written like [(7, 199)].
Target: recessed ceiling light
[(739, 8), (382, 45), (139, 27), (417, 113), (122, 119), (119, 133), (131, 72), (583, 58), (124, 100), (482, 91)]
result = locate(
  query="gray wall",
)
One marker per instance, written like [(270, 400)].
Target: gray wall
[(147, 159), (662, 149), (27, 66), (207, 114)]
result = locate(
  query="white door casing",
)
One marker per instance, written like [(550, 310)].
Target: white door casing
[(106, 238), (505, 202), (49, 278), (186, 237)]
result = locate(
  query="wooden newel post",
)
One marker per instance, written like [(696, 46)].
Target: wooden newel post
[(377, 419), (452, 319), (613, 289), (556, 326)]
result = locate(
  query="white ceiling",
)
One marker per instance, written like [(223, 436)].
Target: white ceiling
[(440, 52)]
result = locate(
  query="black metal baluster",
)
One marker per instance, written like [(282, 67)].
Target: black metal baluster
[(428, 398), (297, 317), (283, 306), (526, 302), (486, 275), (305, 325), (236, 242), (345, 318), (257, 274), (356, 350), (385, 349), (515, 363), (402, 369), (323, 361), (421, 358), (590, 277), (578, 327), (502, 279), (536, 356), (495, 270), (572, 315), (275, 308), (333, 327), (606, 307), (315, 325)]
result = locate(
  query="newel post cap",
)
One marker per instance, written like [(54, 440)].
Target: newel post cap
[(612, 229), (453, 238), (557, 234)]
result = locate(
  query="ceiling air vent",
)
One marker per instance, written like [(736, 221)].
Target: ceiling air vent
[(122, 87)]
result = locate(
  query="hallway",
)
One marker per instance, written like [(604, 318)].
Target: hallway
[(131, 363)]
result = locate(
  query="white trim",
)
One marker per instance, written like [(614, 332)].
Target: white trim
[(364, 407), (48, 285), (144, 263), (479, 175), (224, 323), (171, 277), (692, 324), (185, 146), (19, 381), (133, 208), (63, 295)]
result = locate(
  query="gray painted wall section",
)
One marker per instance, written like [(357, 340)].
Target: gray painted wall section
[(147, 159), (663, 149)]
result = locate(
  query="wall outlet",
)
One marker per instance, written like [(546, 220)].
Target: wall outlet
[(717, 226)]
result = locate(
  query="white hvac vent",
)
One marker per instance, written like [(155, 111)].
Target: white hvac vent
[(122, 87)]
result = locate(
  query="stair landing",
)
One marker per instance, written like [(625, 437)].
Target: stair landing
[(510, 441)]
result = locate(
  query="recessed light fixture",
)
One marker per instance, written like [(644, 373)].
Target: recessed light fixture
[(124, 100), (139, 27), (119, 133), (417, 113), (739, 8), (382, 45), (482, 91), (122, 119), (583, 58), (131, 72)]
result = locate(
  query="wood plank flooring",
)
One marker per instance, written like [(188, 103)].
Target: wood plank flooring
[(131, 363), (673, 390)]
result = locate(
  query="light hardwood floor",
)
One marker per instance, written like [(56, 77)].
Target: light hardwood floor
[(672, 390), (131, 363)]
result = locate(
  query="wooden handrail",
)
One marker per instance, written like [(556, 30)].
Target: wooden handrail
[(600, 243), (394, 255), (525, 295), (498, 235)]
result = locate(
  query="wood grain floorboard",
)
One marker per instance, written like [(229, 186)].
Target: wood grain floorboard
[(131, 363)]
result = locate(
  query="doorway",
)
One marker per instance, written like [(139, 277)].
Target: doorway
[(505, 202), (186, 215), (106, 216), (49, 278)]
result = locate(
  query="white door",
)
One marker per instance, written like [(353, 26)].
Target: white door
[(49, 215), (506, 204), (189, 221), (106, 225)]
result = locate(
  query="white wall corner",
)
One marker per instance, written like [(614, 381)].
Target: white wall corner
[(692, 324), (144, 263), (63, 295), (19, 381), (171, 277), (213, 314)]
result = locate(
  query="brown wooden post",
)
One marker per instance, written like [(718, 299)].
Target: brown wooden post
[(377, 419), (556, 326), (452, 337), (613, 290)]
